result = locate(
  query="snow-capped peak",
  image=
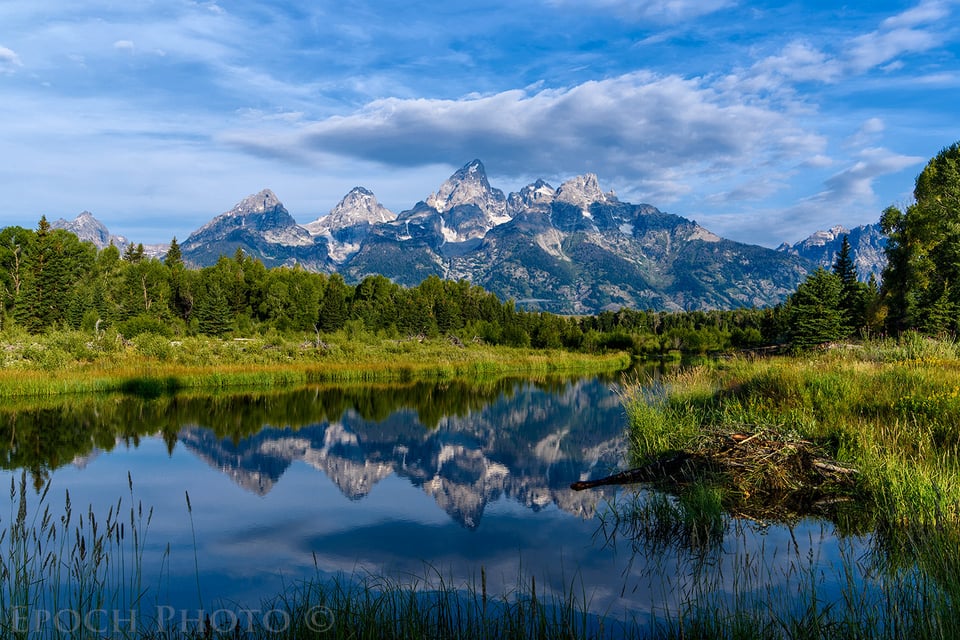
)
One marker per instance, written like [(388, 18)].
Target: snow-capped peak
[(257, 203), (824, 237), (536, 195), (582, 191), (469, 185), (359, 206)]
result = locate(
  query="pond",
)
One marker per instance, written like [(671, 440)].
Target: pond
[(419, 483)]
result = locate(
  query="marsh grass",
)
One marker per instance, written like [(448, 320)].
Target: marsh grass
[(888, 409), (65, 575), (74, 563), (39, 365)]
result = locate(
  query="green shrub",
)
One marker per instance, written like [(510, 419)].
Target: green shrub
[(144, 324), (155, 346)]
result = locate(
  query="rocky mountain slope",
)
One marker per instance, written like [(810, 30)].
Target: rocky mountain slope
[(570, 249), (867, 243), (88, 228)]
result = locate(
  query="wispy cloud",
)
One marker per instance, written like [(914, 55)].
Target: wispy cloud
[(855, 183), (915, 30), (9, 60), (663, 11), (652, 131)]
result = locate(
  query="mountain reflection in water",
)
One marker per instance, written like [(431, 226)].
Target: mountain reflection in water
[(528, 444), (416, 481)]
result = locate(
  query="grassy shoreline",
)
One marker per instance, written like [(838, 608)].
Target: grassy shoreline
[(888, 409), (69, 363)]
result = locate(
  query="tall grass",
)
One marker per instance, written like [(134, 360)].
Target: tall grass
[(60, 571), (44, 366), (890, 410), (70, 575)]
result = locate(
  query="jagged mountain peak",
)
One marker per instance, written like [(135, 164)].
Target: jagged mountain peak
[(469, 185), (260, 217), (261, 202), (358, 207), (582, 191), (86, 227), (867, 244), (467, 204)]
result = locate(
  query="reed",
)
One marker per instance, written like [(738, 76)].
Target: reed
[(889, 410)]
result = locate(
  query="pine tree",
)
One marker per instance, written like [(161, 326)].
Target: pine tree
[(814, 312), (333, 306), (851, 290), (212, 311), (174, 258)]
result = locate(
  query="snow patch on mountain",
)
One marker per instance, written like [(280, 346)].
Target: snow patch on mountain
[(358, 207)]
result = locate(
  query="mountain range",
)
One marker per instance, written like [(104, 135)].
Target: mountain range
[(571, 249)]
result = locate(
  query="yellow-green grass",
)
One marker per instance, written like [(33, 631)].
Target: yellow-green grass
[(158, 364), (889, 410)]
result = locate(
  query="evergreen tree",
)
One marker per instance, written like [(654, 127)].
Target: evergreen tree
[(852, 291), (134, 254), (181, 298), (814, 312), (212, 310), (333, 307), (174, 257)]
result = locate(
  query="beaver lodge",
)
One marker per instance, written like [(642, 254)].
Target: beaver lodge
[(762, 475)]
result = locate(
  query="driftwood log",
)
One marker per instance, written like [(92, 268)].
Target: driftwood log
[(664, 468)]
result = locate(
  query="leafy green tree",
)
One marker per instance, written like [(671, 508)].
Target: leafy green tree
[(146, 288), (814, 312), (921, 282), (15, 245)]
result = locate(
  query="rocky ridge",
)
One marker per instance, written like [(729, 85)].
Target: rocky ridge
[(573, 249), (867, 244)]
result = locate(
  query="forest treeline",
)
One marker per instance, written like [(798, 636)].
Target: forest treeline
[(51, 280)]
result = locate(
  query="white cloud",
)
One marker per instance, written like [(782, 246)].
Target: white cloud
[(801, 61), (912, 31), (855, 183), (9, 60), (655, 132), (124, 45), (868, 132), (924, 13), (664, 11)]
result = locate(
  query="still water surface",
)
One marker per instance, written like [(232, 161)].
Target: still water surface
[(410, 482)]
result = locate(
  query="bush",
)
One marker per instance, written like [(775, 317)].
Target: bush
[(155, 346), (144, 324)]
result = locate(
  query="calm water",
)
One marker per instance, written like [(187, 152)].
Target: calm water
[(408, 482)]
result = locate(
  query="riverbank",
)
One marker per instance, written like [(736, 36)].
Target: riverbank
[(75, 362), (887, 416)]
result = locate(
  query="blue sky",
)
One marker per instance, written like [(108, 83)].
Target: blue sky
[(762, 121)]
